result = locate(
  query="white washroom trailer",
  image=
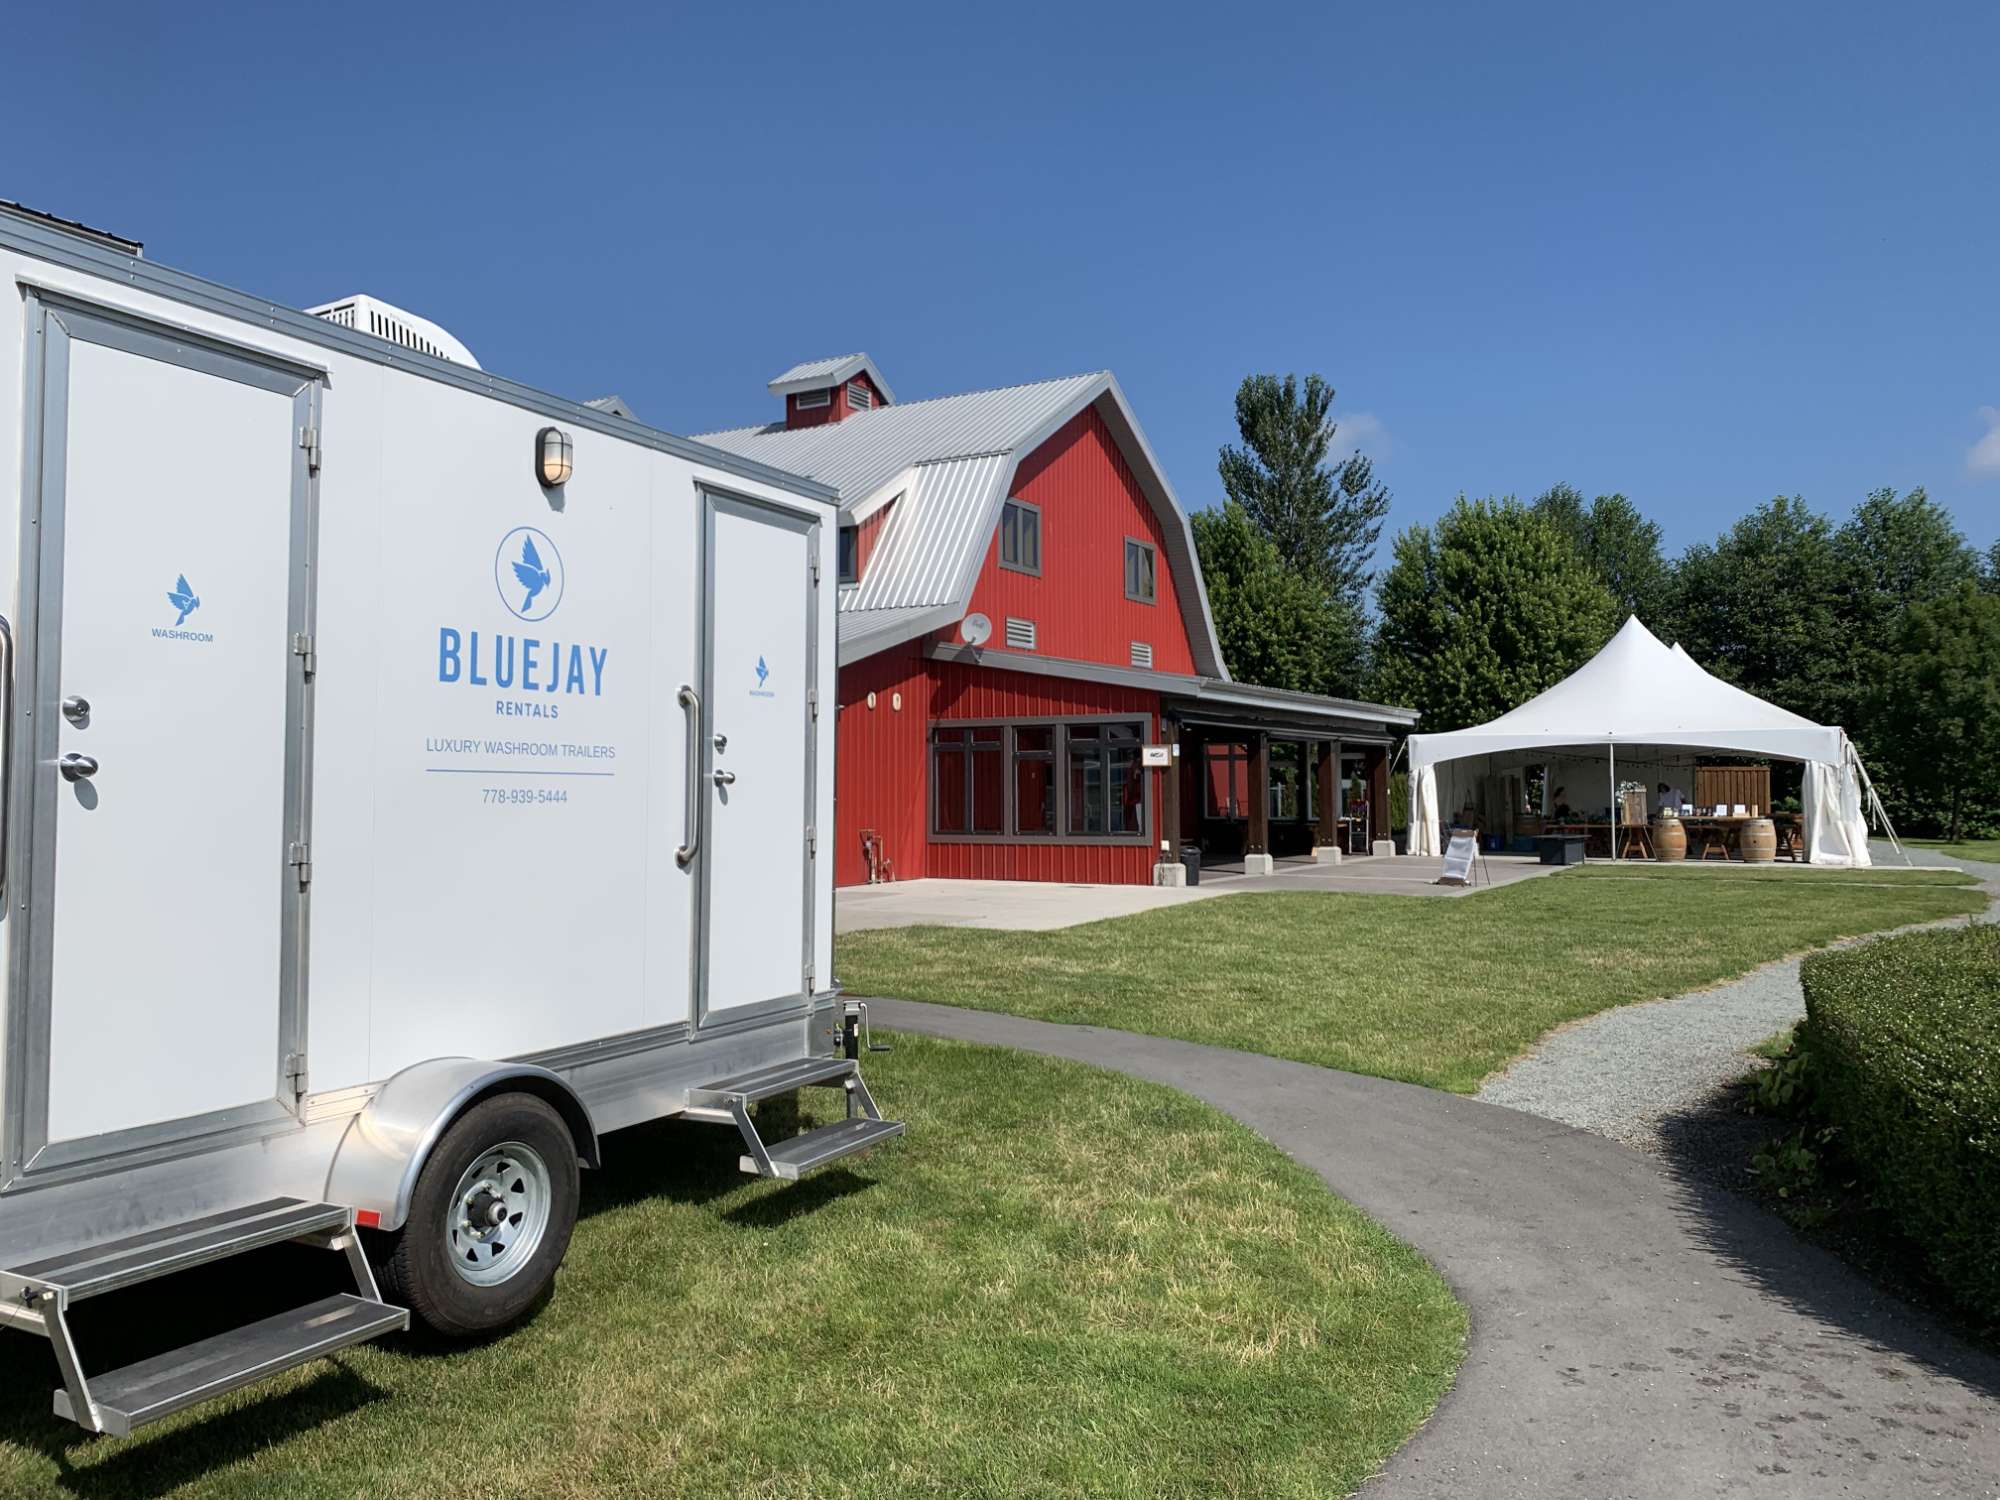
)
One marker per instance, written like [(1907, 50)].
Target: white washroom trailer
[(382, 821)]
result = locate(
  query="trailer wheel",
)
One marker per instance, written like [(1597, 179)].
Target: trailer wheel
[(490, 1219)]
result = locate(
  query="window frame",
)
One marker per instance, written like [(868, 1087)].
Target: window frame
[(847, 556), (1030, 508), (1152, 571), (1058, 836), (999, 745)]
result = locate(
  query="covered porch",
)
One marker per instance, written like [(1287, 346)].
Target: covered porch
[(1273, 778)]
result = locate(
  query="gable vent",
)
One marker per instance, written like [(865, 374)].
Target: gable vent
[(1020, 634), (1142, 654), (859, 397)]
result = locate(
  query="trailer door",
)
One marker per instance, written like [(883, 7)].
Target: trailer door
[(761, 602), (170, 538)]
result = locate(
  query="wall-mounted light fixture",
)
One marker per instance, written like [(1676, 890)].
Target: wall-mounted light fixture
[(554, 459)]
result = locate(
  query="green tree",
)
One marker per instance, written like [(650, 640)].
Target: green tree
[(1323, 517), (1990, 579), (1277, 628), (1762, 607), (1939, 705), (1622, 545), (1485, 610), (1897, 551)]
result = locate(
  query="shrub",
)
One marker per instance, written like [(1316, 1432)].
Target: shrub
[(1905, 1038)]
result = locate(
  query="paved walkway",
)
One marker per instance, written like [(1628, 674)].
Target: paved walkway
[(1042, 905), (1636, 1335)]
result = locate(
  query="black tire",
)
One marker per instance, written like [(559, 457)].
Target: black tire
[(419, 1271)]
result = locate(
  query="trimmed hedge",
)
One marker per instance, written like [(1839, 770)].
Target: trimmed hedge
[(1905, 1035)]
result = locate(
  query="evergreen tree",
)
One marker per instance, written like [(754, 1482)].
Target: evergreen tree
[(1483, 611), (1324, 517)]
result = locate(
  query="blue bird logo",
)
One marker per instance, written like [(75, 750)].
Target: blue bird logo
[(182, 598), (762, 671), (534, 577)]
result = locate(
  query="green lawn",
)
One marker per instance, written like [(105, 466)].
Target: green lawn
[(1062, 1282), (1987, 850), (1438, 992)]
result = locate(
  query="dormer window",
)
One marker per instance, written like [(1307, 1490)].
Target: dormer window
[(859, 397), (810, 400), (849, 565)]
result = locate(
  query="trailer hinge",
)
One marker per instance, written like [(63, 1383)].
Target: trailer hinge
[(295, 1070), (309, 440), (302, 646), (812, 699), (809, 981), (812, 839), (299, 856)]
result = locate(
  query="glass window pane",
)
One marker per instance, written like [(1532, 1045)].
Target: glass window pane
[(1034, 740), (1034, 794), (1125, 779), (1010, 535), (986, 789), (948, 778), (1031, 535)]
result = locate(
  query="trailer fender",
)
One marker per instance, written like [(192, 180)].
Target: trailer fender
[(375, 1167)]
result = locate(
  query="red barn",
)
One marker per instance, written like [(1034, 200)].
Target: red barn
[(1022, 616)]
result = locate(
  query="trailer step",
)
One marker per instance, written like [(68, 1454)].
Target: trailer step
[(36, 1298), (764, 1083), (128, 1399), (789, 1159), (111, 1264)]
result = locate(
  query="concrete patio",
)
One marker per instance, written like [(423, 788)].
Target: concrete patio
[(1030, 905)]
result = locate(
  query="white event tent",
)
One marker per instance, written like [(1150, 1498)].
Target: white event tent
[(1639, 711)]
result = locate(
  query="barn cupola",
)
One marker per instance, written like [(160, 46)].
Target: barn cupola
[(830, 390)]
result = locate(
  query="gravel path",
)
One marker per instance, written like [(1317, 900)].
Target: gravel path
[(1636, 1074)]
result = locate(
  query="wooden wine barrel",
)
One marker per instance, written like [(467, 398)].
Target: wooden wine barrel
[(1670, 839), (1759, 842)]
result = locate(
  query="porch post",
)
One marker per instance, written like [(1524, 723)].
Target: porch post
[(1326, 772), (1167, 868), (1378, 800), (1257, 847)]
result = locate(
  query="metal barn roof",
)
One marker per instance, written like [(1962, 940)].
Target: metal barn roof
[(818, 374), (949, 464)]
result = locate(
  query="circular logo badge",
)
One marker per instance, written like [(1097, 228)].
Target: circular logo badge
[(528, 571)]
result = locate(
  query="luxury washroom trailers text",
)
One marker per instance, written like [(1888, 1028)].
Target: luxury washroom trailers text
[(409, 776)]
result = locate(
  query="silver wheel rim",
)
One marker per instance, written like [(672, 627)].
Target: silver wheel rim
[(496, 1216)]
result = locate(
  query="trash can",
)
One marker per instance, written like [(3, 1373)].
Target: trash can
[(1191, 862)]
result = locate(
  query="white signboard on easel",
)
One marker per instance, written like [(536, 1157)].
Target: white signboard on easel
[(1458, 860)]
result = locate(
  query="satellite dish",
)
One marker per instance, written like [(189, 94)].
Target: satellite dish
[(975, 630)]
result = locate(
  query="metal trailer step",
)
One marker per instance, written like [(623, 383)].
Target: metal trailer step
[(802, 1153), (715, 1100), (128, 1399), (111, 1264), (728, 1101), (36, 1298)]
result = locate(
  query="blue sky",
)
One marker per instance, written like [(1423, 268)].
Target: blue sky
[(1702, 256)]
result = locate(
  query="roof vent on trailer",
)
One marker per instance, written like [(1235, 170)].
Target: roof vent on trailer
[(370, 315)]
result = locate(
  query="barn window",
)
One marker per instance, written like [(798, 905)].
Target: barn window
[(1021, 537), (1139, 571), (1035, 780), (1107, 788), (966, 780), (849, 567)]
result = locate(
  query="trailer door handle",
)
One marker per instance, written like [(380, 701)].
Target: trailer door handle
[(76, 767), (725, 778), (691, 799)]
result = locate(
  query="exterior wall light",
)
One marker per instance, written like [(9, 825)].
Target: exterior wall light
[(554, 458)]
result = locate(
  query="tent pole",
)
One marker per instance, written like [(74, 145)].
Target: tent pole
[(1613, 748)]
